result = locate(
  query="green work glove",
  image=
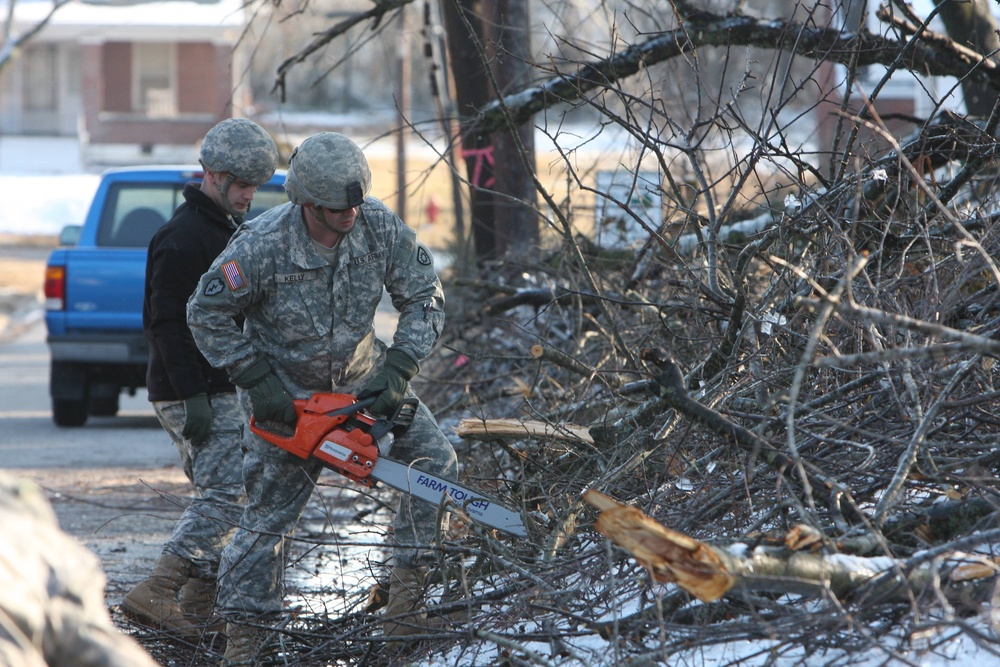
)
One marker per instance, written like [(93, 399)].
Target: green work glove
[(270, 400), (390, 383), (197, 419)]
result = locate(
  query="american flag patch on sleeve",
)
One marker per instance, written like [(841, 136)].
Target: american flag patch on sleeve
[(233, 275)]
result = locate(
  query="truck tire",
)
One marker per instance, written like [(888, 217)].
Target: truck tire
[(103, 405), (69, 413)]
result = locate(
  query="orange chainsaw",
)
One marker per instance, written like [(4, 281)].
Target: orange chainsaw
[(335, 430)]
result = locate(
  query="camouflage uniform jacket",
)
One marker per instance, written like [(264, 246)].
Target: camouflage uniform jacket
[(314, 322)]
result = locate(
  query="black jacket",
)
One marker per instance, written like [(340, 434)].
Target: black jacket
[(179, 253)]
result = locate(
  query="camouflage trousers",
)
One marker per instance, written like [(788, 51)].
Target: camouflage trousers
[(215, 470), (279, 484)]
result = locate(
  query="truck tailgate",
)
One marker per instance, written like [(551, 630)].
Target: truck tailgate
[(104, 289)]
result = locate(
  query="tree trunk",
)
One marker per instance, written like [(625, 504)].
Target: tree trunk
[(972, 24), (510, 50), (464, 29)]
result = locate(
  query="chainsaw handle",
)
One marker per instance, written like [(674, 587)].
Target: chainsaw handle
[(386, 424), (314, 422), (382, 425), (357, 406), (281, 434)]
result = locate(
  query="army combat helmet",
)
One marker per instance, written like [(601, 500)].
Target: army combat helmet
[(242, 148), (328, 170)]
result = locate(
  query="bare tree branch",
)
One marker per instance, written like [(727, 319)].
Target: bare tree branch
[(10, 44), (938, 56), (968, 341), (708, 572), (376, 13)]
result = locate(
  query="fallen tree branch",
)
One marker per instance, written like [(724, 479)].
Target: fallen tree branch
[(709, 572), (675, 394), (506, 429), (552, 355), (945, 138), (935, 524), (939, 351)]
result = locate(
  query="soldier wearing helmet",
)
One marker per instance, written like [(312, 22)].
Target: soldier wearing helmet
[(237, 152), (195, 403), (309, 275)]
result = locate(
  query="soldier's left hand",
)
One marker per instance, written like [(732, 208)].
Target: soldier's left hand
[(390, 384), (197, 419)]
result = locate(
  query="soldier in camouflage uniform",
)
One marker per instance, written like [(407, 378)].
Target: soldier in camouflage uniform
[(52, 611), (196, 403), (309, 276)]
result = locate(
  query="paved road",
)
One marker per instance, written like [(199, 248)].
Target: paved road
[(29, 439)]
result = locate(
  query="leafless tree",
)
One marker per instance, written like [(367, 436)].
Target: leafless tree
[(786, 359)]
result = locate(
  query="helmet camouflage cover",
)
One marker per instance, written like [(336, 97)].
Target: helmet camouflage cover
[(242, 148), (329, 170)]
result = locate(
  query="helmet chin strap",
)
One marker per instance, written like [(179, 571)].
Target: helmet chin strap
[(318, 216), (223, 191), (224, 195)]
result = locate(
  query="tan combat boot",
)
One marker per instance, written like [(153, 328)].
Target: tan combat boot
[(153, 602), (244, 646), (404, 613), (198, 604)]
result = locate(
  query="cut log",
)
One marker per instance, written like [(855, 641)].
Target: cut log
[(669, 556), (506, 429)]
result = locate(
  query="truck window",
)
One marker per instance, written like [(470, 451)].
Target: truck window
[(268, 196), (134, 211)]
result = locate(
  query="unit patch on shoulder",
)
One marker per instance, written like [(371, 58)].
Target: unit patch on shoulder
[(214, 287), (234, 276), (423, 256)]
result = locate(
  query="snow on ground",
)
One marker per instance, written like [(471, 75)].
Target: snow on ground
[(44, 204), (43, 185)]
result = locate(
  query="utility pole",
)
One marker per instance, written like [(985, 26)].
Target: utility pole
[(402, 109)]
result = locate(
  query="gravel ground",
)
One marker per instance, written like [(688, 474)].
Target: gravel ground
[(123, 520)]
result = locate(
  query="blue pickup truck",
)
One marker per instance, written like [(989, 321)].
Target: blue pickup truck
[(94, 284)]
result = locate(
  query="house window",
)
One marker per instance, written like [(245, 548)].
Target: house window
[(41, 82), (153, 79)]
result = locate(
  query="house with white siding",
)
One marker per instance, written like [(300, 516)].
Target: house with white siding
[(137, 81)]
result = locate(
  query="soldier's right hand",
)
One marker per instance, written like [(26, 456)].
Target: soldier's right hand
[(270, 400)]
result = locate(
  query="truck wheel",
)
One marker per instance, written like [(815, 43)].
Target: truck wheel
[(69, 413)]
